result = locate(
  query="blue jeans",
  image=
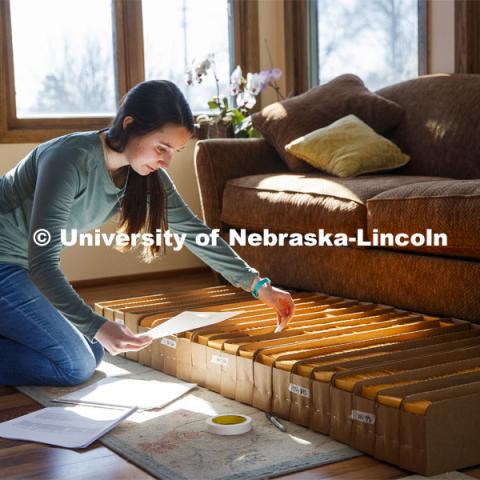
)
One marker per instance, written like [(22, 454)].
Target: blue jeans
[(38, 345)]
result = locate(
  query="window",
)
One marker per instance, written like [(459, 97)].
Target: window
[(381, 41), (63, 68), (64, 64), (195, 29), (374, 39)]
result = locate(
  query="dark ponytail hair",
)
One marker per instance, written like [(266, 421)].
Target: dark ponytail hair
[(152, 104)]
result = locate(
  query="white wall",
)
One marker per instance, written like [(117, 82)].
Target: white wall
[(442, 36), (81, 263), (270, 19)]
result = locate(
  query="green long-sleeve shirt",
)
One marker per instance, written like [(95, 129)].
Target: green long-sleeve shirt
[(64, 184)]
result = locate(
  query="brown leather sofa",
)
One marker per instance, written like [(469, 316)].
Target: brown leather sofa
[(244, 184)]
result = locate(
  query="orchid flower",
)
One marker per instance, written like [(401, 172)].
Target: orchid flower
[(264, 77), (275, 73), (268, 75), (188, 77), (236, 81), (246, 100), (199, 69), (254, 83)]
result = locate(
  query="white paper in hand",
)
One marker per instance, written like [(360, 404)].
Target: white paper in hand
[(188, 320), (280, 327)]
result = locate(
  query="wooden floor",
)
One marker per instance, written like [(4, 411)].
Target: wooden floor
[(24, 460)]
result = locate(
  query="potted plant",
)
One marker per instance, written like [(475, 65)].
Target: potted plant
[(224, 120)]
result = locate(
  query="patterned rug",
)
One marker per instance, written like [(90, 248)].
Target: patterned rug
[(172, 443)]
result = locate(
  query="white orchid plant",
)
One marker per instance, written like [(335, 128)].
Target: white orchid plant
[(244, 90)]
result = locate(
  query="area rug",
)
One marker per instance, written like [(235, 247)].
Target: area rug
[(172, 443)]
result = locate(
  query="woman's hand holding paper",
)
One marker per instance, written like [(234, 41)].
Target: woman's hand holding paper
[(117, 338)]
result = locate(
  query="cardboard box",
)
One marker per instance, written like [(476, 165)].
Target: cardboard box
[(402, 386), (445, 438), (263, 357), (390, 404), (298, 398), (346, 399), (192, 363), (320, 415)]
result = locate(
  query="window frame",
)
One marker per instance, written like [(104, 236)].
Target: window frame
[(467, 41), (128, 63), (301, 48)]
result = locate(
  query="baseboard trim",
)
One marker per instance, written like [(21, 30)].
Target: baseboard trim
[(139, 277)]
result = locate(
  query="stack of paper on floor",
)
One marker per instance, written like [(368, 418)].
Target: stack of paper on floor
[(100, 406), (70, 427), (128, 392)]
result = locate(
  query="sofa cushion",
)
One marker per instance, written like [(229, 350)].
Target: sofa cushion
[(450, 206), (346, 148), (284, 121), (440, 127), (290, 202)]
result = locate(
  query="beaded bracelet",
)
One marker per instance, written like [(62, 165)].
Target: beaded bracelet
[(259, 285)]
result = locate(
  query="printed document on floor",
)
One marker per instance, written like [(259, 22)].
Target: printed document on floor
[(70, 427), (128, 392)]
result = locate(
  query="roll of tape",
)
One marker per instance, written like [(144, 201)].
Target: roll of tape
[(229, 424)]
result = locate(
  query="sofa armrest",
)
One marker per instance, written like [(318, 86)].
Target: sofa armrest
[(221, 159)]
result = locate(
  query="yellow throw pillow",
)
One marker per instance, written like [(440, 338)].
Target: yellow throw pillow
[(346, 148)]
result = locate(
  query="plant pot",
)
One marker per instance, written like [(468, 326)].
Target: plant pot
[(220, 130), (212, 129)]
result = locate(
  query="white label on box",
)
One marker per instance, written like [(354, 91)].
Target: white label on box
[(168, 342), (219, 360), (298, 390), (118, 319), (363, 417)]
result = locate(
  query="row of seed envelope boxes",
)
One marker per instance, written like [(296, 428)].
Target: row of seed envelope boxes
[(401, 386), (130, 311)]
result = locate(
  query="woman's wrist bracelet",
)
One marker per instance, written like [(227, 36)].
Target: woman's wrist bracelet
[(259, 285), (254, 282)]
